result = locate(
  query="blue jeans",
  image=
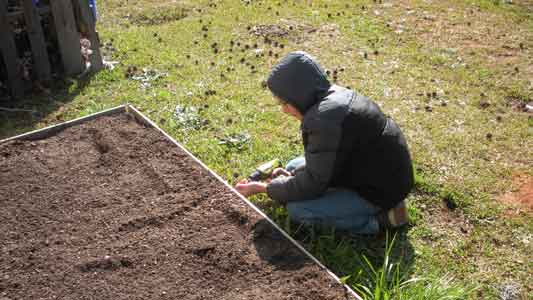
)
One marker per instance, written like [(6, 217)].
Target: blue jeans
[(340, 208)]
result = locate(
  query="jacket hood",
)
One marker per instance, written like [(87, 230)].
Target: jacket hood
[(298, 80)]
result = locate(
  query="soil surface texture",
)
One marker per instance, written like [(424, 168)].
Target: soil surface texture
[(113, 210)]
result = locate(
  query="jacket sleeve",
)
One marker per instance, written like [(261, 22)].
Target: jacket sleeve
[(322, 142)]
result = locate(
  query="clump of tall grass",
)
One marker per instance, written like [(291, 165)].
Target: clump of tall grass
[(388, 282)]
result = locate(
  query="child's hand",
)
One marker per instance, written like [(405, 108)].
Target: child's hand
[(249, 188), (280, 171)]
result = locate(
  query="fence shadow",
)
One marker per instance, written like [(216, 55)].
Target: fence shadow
[(21, 115)]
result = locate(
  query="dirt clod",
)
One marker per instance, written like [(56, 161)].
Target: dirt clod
[(450, 203), (484, 104)]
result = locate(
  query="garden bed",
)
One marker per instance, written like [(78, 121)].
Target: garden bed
[(112, 209)]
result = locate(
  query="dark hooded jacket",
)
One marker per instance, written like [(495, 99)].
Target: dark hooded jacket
[(348, 141)]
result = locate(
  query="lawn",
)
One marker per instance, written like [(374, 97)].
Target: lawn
[(456, 75)]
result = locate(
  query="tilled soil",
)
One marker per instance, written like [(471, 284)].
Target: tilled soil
[(113, 210)]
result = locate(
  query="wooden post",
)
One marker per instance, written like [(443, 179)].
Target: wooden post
[(38, 44), (9, 54), (87, 24), (67, 36)]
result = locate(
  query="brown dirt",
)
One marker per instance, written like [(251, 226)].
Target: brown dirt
[(112, 210), (522, 197), (452, 221)]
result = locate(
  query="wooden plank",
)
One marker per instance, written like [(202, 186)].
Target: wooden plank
[(19, 15), (9, 54), (87, 25), (67, 36), (38, 44)]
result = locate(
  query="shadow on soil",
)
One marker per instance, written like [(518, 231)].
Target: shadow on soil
[(20, 115), (274, 248)]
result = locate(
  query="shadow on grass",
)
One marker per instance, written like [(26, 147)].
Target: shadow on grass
[(20, 115), (349, 255)]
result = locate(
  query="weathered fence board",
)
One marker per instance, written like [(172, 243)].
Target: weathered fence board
[(87, 24), (69, 21), (68, 36), (9, 53), (38, 44)]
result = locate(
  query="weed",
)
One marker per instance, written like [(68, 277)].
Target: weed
[(187, 118), (388, 281)]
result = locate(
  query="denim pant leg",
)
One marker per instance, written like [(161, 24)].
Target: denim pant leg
[(295, 163), (339, 208)]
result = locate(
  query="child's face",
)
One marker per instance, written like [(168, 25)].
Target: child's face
[(289, 109)]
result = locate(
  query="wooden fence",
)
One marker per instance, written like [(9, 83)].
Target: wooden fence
[(39, 39)]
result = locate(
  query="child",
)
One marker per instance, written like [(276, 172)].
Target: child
[(356, 171)]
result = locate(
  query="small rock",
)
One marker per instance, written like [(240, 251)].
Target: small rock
[(450, 203), (484, 104), (510, 291)]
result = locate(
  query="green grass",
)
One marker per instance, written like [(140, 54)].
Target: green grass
[(388, 280), (478, 242)]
